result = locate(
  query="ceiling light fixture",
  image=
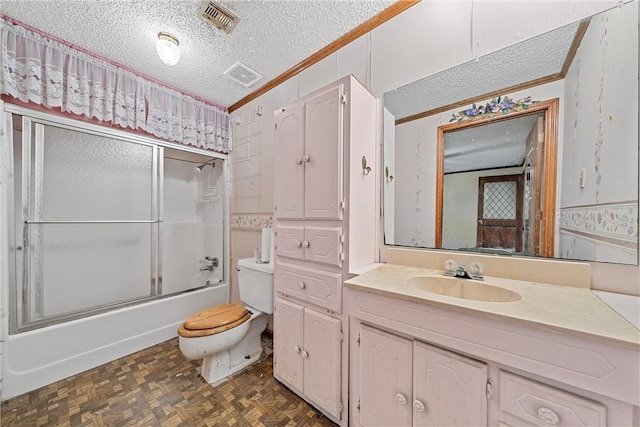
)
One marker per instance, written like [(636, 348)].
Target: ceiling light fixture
[(167, 48)]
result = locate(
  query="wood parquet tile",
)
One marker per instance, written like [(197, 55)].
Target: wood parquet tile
[(160, 387)]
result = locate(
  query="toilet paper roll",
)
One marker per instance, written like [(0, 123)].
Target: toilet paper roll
[(266, 244)]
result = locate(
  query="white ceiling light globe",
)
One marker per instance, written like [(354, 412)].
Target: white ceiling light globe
[(167, 48)]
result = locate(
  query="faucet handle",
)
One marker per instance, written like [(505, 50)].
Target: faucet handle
[(476, 270), (450, 267)]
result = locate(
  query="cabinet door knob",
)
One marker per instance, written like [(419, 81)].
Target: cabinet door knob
[(301, 285), (305, 244), (401, 399), (304, 354), (298, 160), (549, 416), (305, 158), (298, 243), (296, 349), (418, 406)]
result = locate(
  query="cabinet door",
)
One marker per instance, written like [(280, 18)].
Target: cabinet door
[(385, 380), (323, 151), (322, 360), (289, 149), (289, 242), (288, 342), (449, 389), (323, 245)]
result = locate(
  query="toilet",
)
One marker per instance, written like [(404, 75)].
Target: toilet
[(227, 337)]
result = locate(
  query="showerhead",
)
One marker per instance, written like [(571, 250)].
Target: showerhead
[(199, 168)]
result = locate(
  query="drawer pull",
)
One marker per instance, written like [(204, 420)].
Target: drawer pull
[(304, 354), (305, 244), (549, 416), (305, 158), (298, 243), (418, 406), (298, 160), (301, 285), (296, 349), (401, 399)]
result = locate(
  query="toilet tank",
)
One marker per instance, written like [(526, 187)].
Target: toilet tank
[(256, 284)]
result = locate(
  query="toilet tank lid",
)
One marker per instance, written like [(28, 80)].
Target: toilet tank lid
[(252, 264)]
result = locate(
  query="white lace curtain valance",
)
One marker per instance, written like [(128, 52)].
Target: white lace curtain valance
[(43, 71)]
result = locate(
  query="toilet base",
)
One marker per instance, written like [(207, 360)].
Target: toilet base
[(219, 366)]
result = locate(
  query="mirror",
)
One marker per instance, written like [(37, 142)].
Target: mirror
[(572, 190), (491, 195)]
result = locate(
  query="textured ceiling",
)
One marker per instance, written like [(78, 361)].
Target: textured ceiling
[(495, 145), (529, 60), (271, 37)]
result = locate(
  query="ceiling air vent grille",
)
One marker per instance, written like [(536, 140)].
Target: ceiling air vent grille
[(218, 15), (242, 74)]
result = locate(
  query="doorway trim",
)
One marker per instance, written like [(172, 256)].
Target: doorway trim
[(548, 205)]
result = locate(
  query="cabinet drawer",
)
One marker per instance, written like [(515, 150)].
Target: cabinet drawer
[(317, 287), (542, 405)]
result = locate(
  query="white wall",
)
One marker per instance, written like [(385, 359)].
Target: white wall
[(599, 219), (389, 182), (429, 37)]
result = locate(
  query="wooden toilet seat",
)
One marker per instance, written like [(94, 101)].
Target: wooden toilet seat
[(214, 320)]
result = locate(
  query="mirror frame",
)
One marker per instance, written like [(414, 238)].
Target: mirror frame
[(548, 205)]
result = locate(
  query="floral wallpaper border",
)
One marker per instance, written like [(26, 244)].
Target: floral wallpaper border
[(253, 222), (613, 224)]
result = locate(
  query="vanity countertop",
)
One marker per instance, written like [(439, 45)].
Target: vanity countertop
[(569, 310)]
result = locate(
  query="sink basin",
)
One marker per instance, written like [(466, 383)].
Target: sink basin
[(463, 288)]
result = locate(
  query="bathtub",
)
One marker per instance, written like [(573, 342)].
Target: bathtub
[(36, 358)]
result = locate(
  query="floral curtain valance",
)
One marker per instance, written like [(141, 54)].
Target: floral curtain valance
[(40, 70)]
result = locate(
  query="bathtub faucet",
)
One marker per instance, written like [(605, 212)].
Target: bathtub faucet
[(208, 263)]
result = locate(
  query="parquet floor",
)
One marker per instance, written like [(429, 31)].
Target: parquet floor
[(160, 387)]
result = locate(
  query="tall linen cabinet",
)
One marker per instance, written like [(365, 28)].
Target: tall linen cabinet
[(325, 223)]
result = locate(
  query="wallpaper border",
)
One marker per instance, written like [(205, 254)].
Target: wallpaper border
[(251, 222), (613, 224)]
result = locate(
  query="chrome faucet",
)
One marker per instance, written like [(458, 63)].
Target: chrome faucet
[(208, 263), (462, 272), (452, 269)]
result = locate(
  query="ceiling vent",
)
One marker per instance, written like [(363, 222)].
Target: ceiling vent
[(218, 15), (242, 74)]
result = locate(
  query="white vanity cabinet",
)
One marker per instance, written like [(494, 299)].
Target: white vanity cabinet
[(404, 382), (325, 221), (415, 363)]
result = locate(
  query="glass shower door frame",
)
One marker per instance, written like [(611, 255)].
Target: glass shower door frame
[(29, 305)]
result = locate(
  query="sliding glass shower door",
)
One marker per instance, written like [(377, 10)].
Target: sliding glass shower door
[(89, 206)]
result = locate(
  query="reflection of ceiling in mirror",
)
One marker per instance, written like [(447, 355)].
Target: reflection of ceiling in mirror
[(495, 145), (529, 60)]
